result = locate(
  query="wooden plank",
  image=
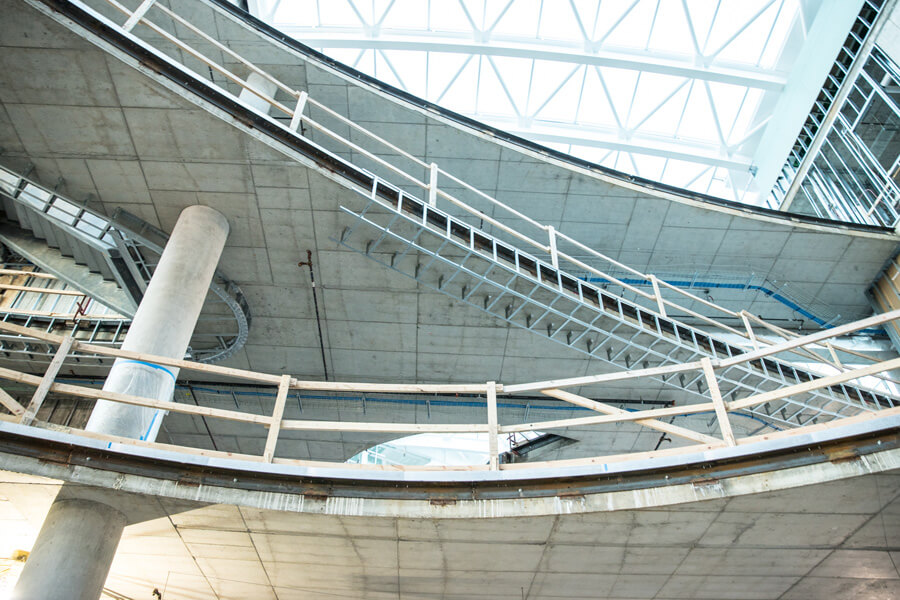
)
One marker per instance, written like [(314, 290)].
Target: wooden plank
[(10, 403), (811, 338), (68, 316), (18, 377), (493, 451), (433, 184), (716, 395), (749, 328), (806, 429), (138, 14), (604, 408), (816, 384), (296, 384), (277, 415), (47, 381), (659, 299), (589, 379), (219, 413), (144, 443), (298, 111), (40, 290), (628, 416), (27, 273), (358, 426), (396, 388)]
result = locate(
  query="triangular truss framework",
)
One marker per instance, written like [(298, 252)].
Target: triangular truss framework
[(677, 92)]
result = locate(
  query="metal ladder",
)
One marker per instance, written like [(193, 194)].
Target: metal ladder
[(447, 254)]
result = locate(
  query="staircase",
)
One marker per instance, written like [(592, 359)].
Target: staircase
[(110, 259), (447, 254)]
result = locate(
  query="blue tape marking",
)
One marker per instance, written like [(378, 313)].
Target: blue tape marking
[(738, 286), (149, 427), (149, 364)]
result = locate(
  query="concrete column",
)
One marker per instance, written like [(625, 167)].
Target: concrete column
[(163, 323), (73, 552), (260, 84), (76, 545)]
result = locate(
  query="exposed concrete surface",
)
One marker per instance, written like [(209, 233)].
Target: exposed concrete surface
[(835, 540), (163, 324), (154, 153), (73, 552)]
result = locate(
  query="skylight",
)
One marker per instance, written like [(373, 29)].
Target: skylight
[(675, 91)]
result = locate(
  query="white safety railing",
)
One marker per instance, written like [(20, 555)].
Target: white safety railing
[(722, 434), (387, 160), (297, 106)]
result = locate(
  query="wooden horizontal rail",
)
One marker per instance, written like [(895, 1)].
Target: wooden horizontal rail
[(614, 418), (604, 378), (67, 316), (808, 386), (651, 423), (407, 428), (40, 290), (27, 273)]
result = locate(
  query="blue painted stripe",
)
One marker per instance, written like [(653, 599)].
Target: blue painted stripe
[(149, 427), (149, 364), (736, 286)]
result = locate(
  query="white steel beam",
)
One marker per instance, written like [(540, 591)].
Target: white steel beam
[(530, 48)]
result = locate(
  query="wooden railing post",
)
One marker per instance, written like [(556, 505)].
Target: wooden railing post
[(659, 301), (493, 431), (137, 15), (554, 254), (277, 415), (433, 184), (298, 111), (52, 370), (10, 403), (716, 395), (749, 328)]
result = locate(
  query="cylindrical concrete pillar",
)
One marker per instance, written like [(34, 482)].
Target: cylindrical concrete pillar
[(76, 545), (163, 323), (260, 84), (73, 552)]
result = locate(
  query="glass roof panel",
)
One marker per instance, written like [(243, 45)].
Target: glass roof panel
[(669, 90)]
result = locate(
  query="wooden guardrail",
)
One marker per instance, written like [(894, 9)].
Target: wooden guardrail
[(276, 423)]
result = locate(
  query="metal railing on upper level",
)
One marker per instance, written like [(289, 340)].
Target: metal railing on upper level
[(723, 434), (369, 159)]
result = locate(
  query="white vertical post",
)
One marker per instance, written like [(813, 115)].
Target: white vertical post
[(554, 255), (298, 111), (659, 300), (41, 392), (275, 426), (834, 356), (432, 185), (716, 395), (749, 329), (138, 14), (493, 449)]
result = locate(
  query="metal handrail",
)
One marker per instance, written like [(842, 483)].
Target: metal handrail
[(658, 302)]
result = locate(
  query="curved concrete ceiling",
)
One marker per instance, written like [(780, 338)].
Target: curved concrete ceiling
[(133, 139)]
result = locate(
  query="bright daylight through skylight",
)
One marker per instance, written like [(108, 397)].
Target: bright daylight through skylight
[(676, 91)]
